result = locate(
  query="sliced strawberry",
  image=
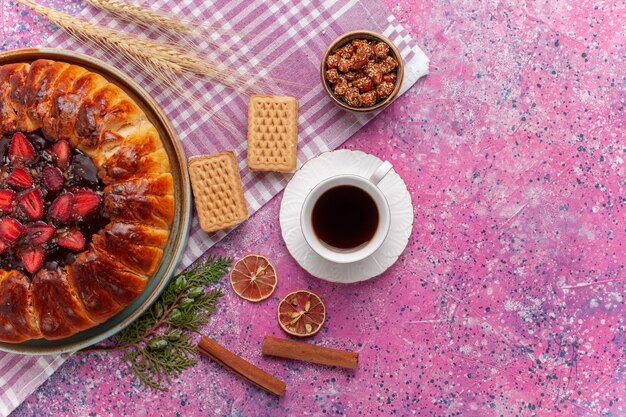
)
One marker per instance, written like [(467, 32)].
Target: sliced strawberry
[(71, 239), (39, 233), (61, 153), (21, 150), (53, 178), (20, 178), (6, 201), (3, 246), (32, 204), (32, 258), (61, 208), (86, 202), (10, 230)]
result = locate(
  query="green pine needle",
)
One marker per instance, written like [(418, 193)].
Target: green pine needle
[(156, 347)]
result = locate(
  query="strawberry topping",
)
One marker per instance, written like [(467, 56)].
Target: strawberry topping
[(20, 178), (61, 208), (10, 230), (71, 239), (53, 178), (86, 202), (21, 150), (61, 153), (39, 233), (6, 201), (32, 203), (50, 199), (32, 258)]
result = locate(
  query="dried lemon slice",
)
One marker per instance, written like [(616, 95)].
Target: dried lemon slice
[(253, 278), (301, 313)]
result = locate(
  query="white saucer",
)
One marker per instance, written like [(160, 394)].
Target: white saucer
[(325, 166)]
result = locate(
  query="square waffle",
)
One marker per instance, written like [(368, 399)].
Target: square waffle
[(217, 191), (272, 133)]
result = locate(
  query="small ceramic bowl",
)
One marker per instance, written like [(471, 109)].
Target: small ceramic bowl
[(370, 36)]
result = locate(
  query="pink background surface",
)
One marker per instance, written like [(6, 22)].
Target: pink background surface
[(509, 300)]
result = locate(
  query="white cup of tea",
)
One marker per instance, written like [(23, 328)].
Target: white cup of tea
[(346, 218)]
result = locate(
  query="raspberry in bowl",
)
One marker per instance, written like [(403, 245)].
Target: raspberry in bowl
[(362, 71)]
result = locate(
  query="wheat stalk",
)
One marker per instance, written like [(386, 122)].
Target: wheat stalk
[(162, 22), (151, 19), (171, 81), (147, 18), (161, 59), (171, 27), (176, 29)]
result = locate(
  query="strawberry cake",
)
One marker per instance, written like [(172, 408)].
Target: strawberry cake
[(86, 200)]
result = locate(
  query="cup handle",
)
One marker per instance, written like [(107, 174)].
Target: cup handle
[(382, 170)]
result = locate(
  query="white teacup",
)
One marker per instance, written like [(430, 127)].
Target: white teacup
[(370, 186)]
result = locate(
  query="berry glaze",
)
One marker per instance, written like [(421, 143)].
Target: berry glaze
[(50, 202)]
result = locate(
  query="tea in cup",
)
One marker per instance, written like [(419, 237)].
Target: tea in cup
[(346, 218)]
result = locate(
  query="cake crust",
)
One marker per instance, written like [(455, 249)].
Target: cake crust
[(68, 102)]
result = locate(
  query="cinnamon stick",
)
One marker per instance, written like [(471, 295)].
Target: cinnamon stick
[(289, 349), (241, 367)]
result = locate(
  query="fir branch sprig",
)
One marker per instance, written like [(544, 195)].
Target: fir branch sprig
[(157, 346)]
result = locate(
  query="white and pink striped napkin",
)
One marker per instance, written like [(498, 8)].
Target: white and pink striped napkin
[(289, 39)]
